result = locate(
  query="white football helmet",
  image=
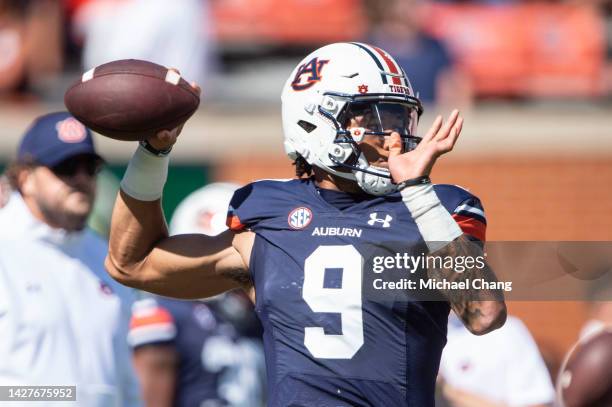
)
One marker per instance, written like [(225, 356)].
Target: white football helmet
[(204, 210), (332, 86)]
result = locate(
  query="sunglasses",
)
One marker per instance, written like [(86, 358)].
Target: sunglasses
[(71, 166)]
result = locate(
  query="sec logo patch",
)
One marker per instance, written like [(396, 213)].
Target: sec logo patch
[(299, 218)]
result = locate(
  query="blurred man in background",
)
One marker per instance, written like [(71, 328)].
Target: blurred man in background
[(63, 320), (501, 369), (199, 353)]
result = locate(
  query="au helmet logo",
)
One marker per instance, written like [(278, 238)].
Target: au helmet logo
[(312, 69), (299, 218), (374, 219)]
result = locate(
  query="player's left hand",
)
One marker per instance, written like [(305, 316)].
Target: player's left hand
[(440, 139)]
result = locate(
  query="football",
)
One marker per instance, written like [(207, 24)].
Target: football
[(131, 99), (586, 377)]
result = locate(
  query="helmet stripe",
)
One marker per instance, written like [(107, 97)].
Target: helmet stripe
[(391, 64), (363, 47), (405, 79)]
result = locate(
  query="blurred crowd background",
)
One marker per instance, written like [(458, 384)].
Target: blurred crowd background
[(533, 78)]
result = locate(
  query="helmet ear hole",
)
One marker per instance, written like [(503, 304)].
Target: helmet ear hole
[(307, 126)]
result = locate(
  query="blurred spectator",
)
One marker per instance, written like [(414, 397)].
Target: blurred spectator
[(30, 43), (397, 26), (174, 34), (503, 368), (12, 47), (199, 353), (63, 320)]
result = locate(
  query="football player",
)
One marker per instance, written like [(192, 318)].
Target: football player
[(349, 117)]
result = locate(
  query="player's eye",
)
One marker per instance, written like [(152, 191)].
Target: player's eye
[(369, 123)]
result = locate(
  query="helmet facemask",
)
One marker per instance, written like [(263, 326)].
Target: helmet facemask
[(364, 116)]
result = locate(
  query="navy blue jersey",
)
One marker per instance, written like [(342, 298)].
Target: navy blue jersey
[(327, 344), (213, 356)]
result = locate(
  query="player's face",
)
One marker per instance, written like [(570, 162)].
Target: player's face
[(387, 118), (64, 194), (374, 148)]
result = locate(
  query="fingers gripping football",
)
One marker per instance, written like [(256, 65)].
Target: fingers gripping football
[(165, 139), (439, 139)]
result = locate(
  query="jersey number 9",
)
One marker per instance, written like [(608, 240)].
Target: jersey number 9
[(345, 300)]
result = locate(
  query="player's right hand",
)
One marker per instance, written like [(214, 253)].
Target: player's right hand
[(440, 139), (166, 138)]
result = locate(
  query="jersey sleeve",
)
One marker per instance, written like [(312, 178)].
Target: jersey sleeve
[(237, 207), (151, 323), (256, 202), (470, 217), (465, 208)]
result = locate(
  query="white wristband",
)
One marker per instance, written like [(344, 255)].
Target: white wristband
[(145, 176), (436, 225)]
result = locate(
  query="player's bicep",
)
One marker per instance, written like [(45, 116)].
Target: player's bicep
[(192, 266)]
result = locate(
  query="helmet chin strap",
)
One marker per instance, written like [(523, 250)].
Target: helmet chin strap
[(372, 180), (372, 183)]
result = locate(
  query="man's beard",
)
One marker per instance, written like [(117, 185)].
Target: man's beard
[(63, 218)]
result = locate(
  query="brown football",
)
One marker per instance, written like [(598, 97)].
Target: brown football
[(586, 377), (131, 99)]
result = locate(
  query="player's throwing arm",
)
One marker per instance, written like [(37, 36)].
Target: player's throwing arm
[(140, 101)]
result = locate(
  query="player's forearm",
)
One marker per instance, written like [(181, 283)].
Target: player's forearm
[(136, 227), (481, 310), (137, 224)]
